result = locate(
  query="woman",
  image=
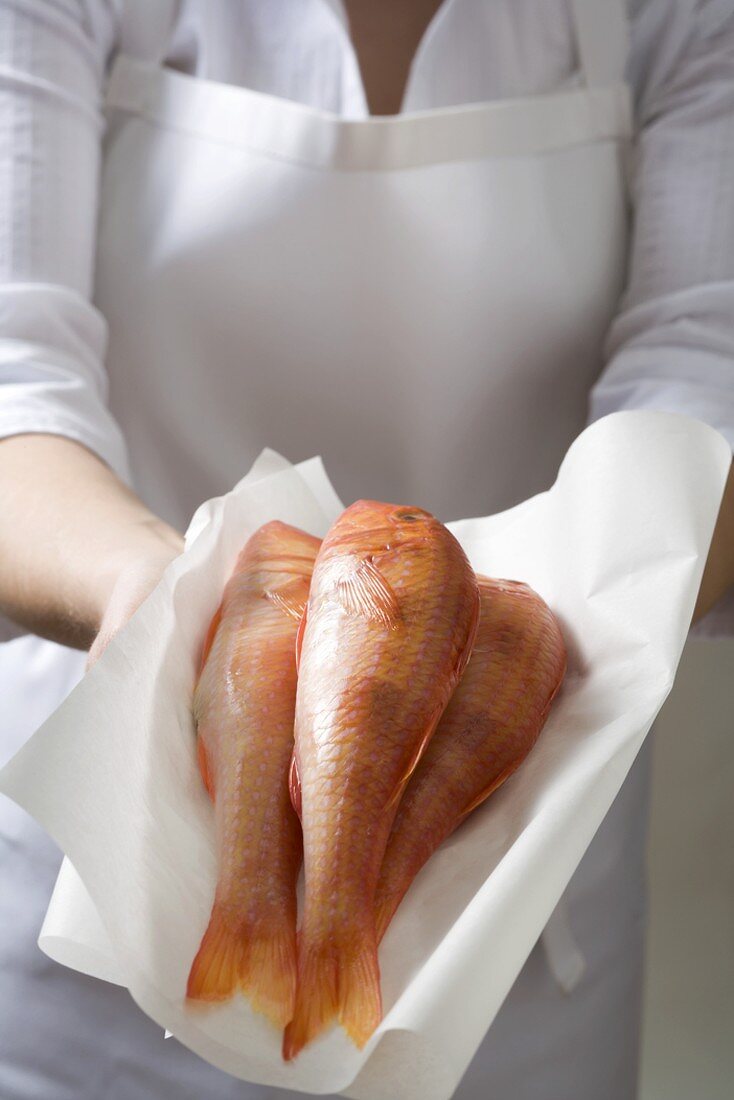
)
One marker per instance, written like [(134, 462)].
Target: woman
[(250, 256)]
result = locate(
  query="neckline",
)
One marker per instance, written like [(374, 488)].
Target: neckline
[(340, 16), (599, 27)]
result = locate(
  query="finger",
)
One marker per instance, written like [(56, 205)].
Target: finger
[(97, 648)]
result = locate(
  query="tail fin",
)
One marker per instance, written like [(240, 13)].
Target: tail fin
[(334, 984), (260, 963), (385, 908)]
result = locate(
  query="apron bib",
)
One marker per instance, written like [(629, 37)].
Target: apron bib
[(422, 300)]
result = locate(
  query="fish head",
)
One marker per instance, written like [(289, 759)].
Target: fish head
[(373, 523), (278, 545)]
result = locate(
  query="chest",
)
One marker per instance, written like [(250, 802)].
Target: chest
[(386, 36)]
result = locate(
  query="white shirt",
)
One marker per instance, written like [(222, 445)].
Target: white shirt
[(671, 345)]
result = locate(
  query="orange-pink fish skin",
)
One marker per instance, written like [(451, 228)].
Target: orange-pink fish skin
[(491, 724), (390, 623), (244, 707)]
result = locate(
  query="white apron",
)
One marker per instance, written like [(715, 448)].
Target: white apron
[(422, 300)]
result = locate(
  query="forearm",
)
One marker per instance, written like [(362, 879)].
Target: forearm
[(718, 575), (69, 528)]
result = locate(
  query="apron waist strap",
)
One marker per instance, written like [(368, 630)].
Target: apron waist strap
[(564, 958)]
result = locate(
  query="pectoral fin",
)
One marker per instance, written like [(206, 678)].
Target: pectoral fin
[(299, 638), (464, 656), (204, 768), (364, 591), (291, 597)]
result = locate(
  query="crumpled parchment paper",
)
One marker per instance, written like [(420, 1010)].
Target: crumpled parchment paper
[(616, 547)]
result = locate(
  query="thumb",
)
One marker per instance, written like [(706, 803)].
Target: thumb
[(131, 589)]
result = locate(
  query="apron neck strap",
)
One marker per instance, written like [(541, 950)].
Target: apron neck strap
[(602, 40)]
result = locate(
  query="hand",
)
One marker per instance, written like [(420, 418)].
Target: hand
[(79, 551), (133, 584)]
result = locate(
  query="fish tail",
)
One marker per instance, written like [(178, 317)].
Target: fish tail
[(385, 909), (268, 974), (215, 972), (261, 963), (360, 1001), (335, 984)]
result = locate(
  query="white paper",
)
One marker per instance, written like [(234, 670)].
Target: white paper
[(616, 547)]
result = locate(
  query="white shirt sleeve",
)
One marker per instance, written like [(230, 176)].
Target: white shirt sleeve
[(671, 347), (52, 340)]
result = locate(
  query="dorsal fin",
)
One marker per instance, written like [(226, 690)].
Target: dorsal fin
[(210, 635)]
